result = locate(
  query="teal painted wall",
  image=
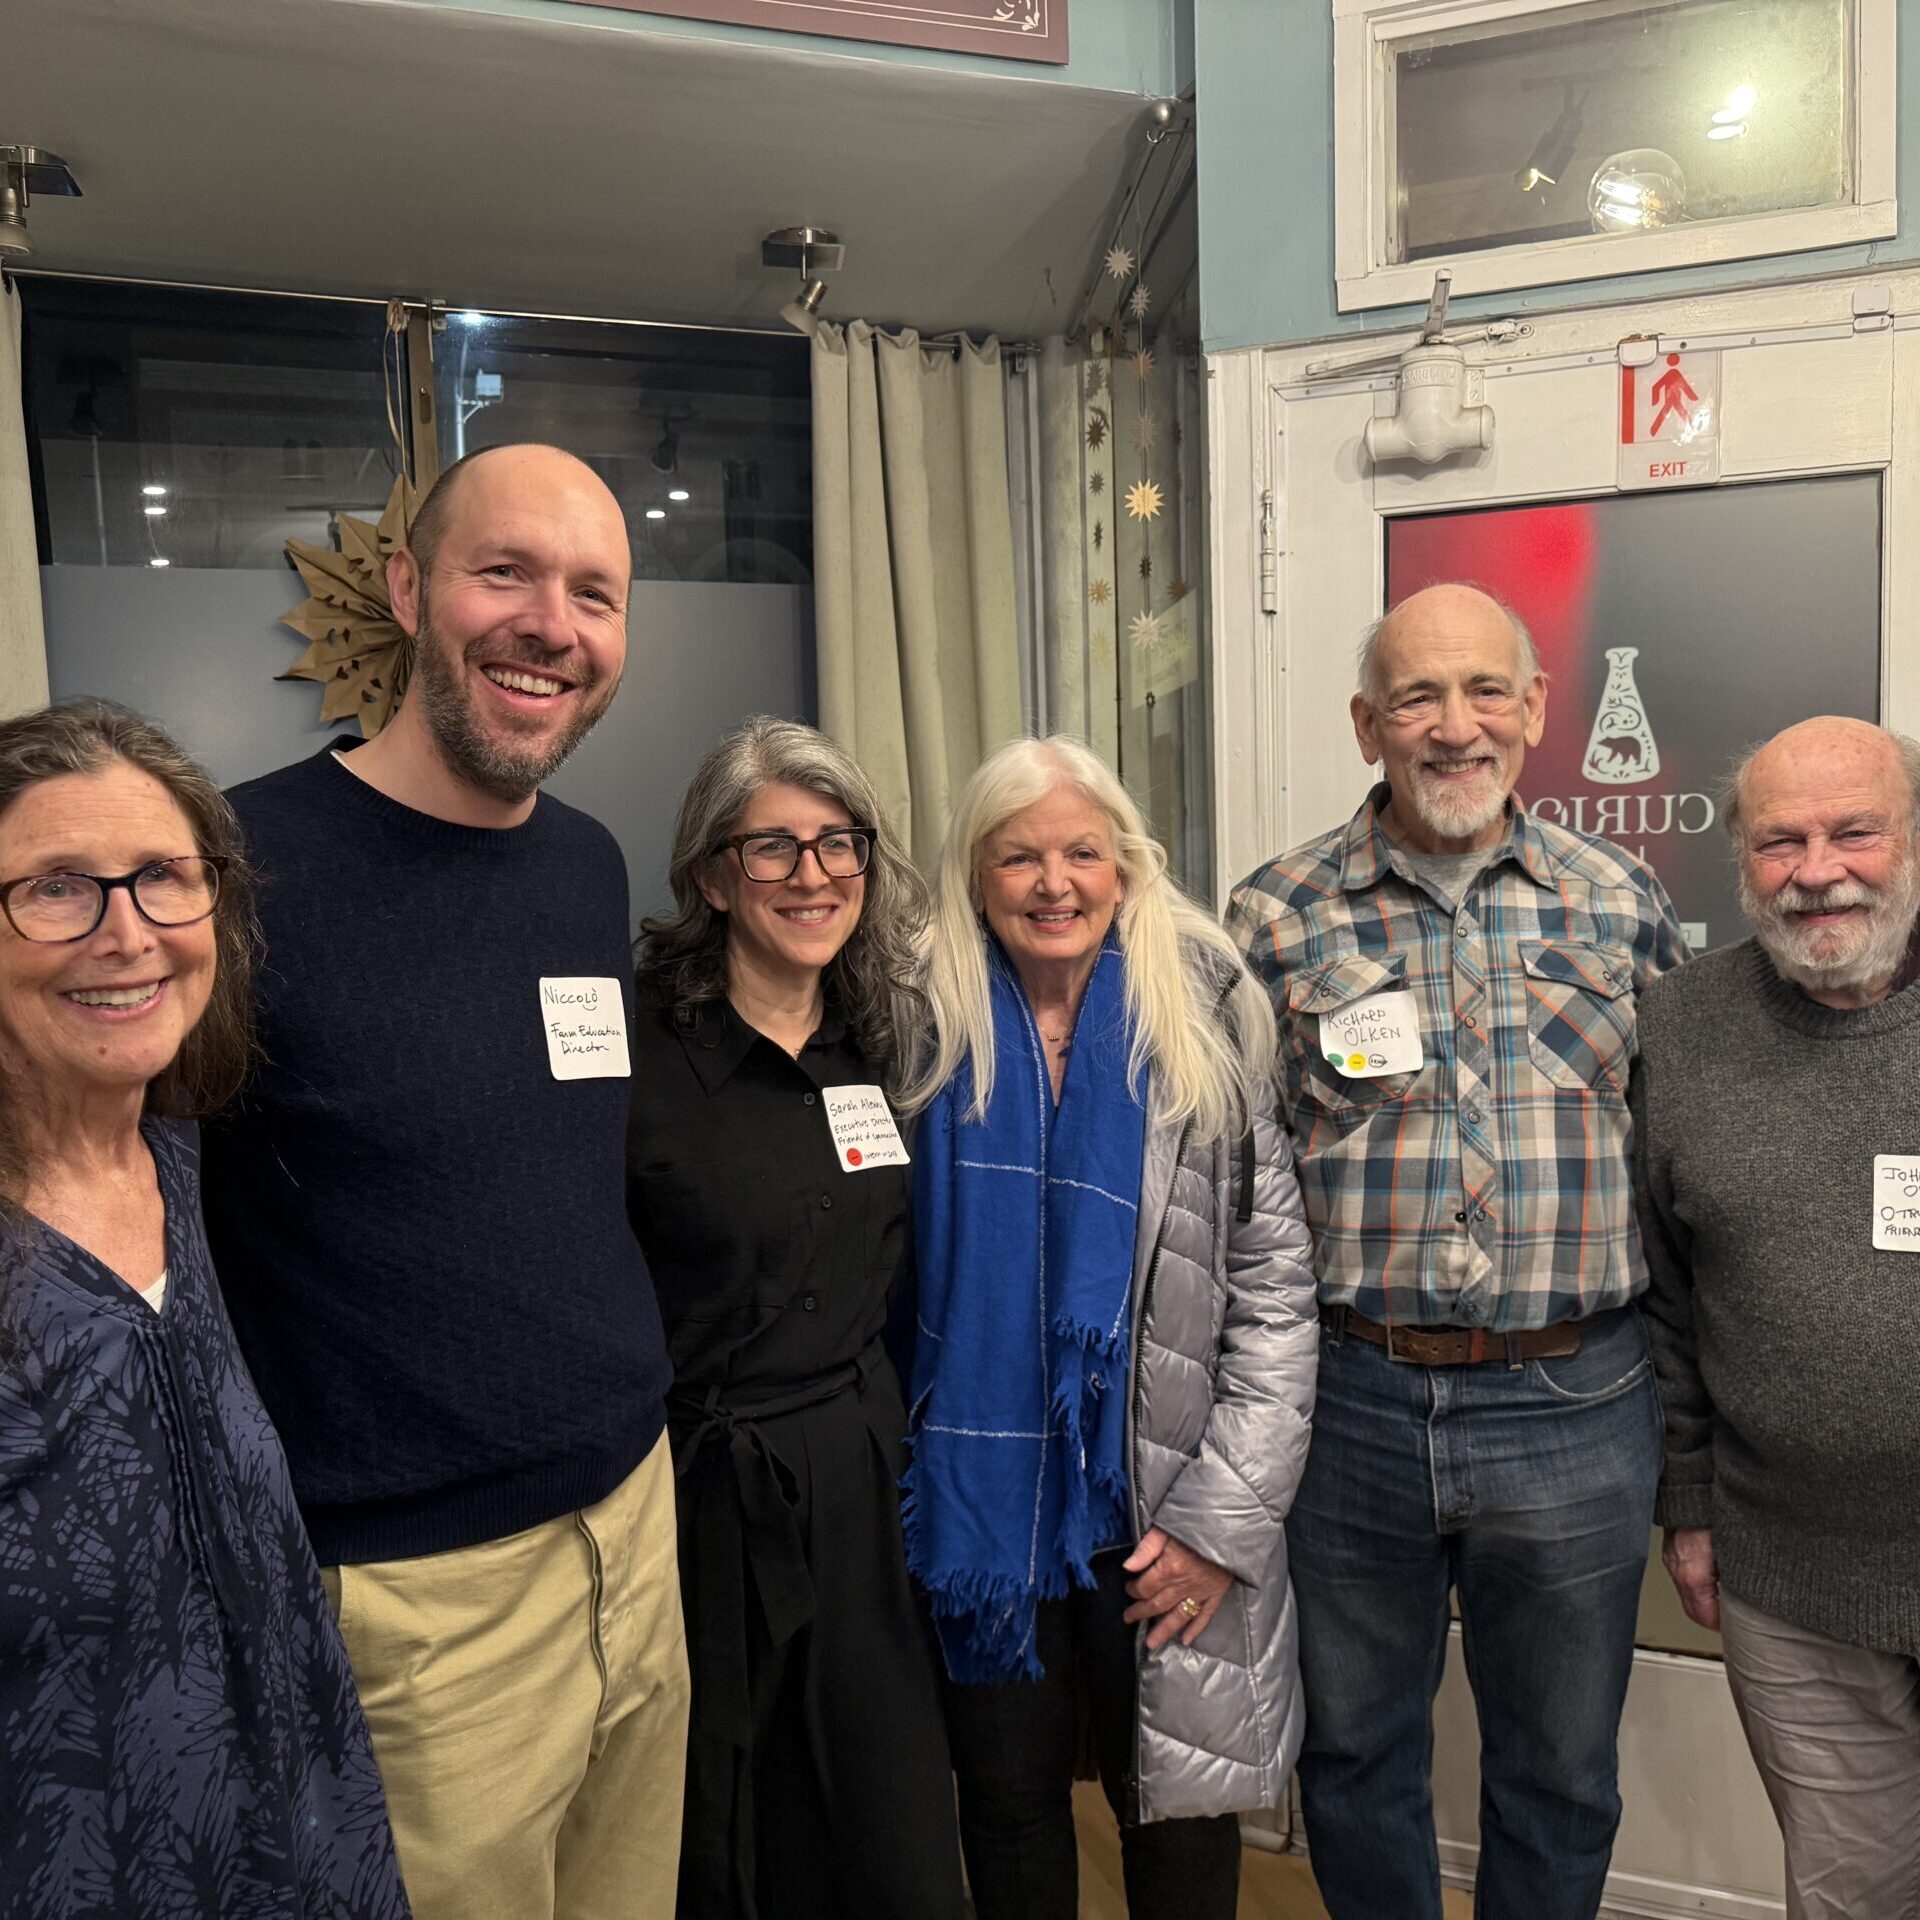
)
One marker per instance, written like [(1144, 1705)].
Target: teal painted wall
[(1120, 46), (1263, 75)]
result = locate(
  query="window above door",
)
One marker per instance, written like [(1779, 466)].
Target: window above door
[(1530, 142)]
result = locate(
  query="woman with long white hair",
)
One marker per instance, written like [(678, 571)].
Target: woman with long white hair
[(1117, 1344)]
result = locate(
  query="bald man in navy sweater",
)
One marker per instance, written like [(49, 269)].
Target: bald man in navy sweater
[(419, 1220)]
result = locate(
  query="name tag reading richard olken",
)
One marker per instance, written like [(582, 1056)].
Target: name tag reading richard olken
[(1377, 1035), (586, 1027)]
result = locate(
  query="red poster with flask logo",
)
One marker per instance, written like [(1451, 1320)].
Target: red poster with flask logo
[(1676, 630)]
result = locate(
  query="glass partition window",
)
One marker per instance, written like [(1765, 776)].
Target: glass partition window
[(200, 429), (705, 438), (1532, 141)]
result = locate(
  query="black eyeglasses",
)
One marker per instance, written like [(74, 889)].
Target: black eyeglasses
[(57, 907), (772, 857)]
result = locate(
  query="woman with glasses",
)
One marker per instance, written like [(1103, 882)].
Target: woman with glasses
[(178, 1728), (766, 1180)]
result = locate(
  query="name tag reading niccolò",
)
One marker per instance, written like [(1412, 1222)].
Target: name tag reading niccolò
[(1377, 1035), (1896, 1202), (863, 1131), (586, 1027)]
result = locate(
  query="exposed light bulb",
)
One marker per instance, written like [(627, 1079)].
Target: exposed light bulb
[(678, 493), (154, 493), (1636, 192), (154, 512), (159, 560), (656, 513)]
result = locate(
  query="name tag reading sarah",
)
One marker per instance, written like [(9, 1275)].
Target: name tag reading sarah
[(1374, 1036), (863, 1131), (1896, 1202), (586, 1027)]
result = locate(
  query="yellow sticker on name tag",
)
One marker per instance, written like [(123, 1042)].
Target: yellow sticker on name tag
[(1377, 1035), (1896, 1202)]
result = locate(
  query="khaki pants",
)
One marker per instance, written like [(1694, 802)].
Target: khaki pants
[(1835, 1732), (528, 1705)]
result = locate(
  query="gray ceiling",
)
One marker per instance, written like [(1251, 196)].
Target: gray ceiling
[(367, 147)]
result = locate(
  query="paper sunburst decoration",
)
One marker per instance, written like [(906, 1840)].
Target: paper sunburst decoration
[(1139, 300), (1143, 500), (1099, 593), (1143, 432), (1146, 566), (1177, 589), (1096, 482), (1143, 362), (357, 651), (1144, 630), (1119, 262), (1096, 430)]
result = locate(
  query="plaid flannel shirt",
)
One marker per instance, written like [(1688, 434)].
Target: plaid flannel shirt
[(1490, 1188)]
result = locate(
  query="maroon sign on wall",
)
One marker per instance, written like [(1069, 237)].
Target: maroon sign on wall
[(1010, 29)]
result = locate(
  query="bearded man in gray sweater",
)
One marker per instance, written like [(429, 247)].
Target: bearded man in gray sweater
[(1777, 1143)]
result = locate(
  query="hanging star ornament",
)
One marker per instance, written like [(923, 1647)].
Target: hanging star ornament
[(1096, 482), (1143, 500), (1139, 300), (1143, 362), (1143, 432), (1099, 593), (357, 651), (1144, 631), (1119, 262), (1096, 430), (1178, 590), (1099, 535), (1146, 566)]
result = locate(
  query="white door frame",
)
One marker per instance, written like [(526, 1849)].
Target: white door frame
[(1293, 503)]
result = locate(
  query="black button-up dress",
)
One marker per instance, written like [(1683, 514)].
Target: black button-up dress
[(817, 1773)]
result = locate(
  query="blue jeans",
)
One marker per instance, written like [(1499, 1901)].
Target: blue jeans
[(1529, 1491)]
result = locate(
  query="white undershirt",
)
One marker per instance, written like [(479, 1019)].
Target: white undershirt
[(156, 1295)]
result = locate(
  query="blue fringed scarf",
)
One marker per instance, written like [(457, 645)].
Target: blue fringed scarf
[(1025, 1234)]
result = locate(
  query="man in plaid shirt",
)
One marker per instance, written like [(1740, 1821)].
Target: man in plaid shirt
[(1455, 984)]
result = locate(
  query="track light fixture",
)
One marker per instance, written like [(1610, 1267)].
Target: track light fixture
[(25, 171)]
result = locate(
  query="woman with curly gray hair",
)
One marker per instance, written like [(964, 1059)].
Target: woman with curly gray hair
[(766, 1181)]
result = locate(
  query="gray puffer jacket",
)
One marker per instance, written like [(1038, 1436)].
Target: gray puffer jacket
[(1225, 1350)]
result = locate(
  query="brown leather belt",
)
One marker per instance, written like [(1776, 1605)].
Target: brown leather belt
[(1455, 1346)]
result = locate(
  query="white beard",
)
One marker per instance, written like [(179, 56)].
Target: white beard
[(1850, 957), (1459, 813)]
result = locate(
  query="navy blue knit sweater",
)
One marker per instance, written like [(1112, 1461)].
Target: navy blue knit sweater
[(421, 1232)]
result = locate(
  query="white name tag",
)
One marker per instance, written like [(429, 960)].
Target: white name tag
[(863, 1131), (1374, 1036), (1896, 1202), (586, 1027)]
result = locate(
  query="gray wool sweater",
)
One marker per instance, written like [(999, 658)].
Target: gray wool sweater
[(1787, 1347)]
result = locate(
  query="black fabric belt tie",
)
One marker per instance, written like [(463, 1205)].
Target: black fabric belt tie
[(719, 1446)]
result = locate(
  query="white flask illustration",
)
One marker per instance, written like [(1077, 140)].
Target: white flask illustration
[(1621, 750)]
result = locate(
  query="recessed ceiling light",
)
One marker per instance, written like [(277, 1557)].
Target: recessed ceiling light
[(656, 513), (679, 493), (159, 560), (154, 493), (154, 512)]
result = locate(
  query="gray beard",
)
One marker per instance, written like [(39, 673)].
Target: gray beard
[(1866, 960), (501, 771)]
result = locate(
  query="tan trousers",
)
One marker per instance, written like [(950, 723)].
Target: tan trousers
[(528, 1705), (1835, 1732)]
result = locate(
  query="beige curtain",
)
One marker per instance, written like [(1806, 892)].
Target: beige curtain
[(913, 566), (23, 646)]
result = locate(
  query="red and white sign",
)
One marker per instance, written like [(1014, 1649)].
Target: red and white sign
[(1670, 421)]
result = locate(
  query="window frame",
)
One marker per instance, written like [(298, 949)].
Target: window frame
[(1365, 35)]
